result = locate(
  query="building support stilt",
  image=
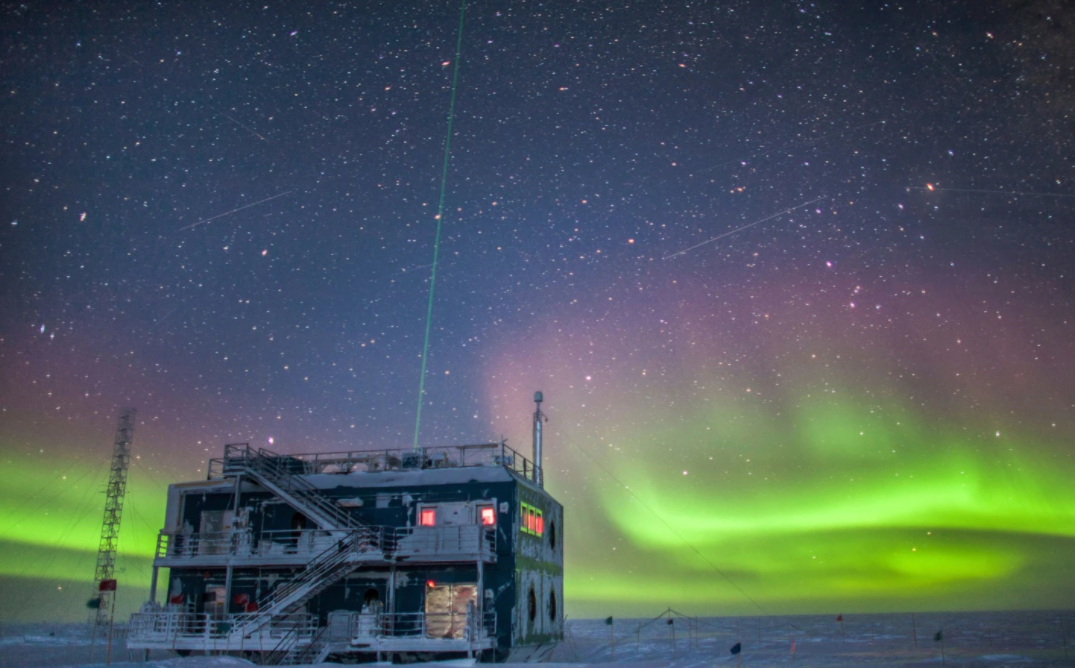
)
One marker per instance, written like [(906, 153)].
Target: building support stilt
[(153, 585)]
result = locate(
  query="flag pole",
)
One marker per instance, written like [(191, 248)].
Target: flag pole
[(111, 622), (612, 636), (672, 625), (914, 631)]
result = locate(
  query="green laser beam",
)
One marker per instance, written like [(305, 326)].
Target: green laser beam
[(440, 218)]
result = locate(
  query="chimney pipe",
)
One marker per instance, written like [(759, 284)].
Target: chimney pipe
[(539, 417)]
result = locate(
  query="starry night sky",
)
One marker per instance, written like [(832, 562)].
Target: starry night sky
[(795, 279)]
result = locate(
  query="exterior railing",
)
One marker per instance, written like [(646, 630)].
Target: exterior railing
[(442, 541), (307, 542), (167, 627), (434, 626), (400, 459), (463, 541), (285, 473), (191, 630)]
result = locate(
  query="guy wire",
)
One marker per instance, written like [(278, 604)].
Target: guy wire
[(440, 218)]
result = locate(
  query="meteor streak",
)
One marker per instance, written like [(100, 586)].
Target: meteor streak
[(226, 213), (243, 126), (740, 229)]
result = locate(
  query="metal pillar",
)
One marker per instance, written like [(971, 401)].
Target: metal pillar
[(539, 418), (480, 607), (227, 589), (392, 590), (153, 586)]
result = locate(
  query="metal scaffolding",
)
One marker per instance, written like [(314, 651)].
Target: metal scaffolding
[(103, 583)]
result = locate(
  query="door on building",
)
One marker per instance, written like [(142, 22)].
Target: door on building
[(298, 526), (447, 608), (215, 602), (214, 535)]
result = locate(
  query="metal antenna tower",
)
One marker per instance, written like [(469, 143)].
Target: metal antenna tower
[(106, 553)]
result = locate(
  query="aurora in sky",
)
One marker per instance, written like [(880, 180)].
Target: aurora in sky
[(864, 403)]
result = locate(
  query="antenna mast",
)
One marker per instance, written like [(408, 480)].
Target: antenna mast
[(539, 417), (106, 553)]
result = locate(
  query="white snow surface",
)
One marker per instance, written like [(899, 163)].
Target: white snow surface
[(1030, 638)]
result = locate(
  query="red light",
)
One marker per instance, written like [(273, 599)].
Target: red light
[(430, 584), (488, 517), (540, 528), (427, 517)]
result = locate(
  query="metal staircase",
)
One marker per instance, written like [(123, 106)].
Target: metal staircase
[(316, 651), (282, 475), (322, 571)]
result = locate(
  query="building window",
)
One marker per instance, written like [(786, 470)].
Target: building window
[(532, 521), (552, 606), (487, 516), (552, 535), (532, 604), (427, 517)]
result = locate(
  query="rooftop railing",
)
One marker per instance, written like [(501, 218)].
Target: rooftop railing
[(401, 459)]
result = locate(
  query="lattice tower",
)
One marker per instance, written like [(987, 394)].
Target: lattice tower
[(117, 488)]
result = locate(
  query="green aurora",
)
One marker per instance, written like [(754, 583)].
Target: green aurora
[(762, 474), (864, 512)]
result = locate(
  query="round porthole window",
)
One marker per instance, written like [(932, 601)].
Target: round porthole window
[(532, 603)]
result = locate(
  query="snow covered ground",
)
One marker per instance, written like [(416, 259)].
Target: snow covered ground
[(1039, 638)]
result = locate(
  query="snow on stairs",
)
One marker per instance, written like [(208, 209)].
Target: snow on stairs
[(323, 570), (316, 651), (275, 473)]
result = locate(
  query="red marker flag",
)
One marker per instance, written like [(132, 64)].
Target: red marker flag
[(839, 618), (107, 585)]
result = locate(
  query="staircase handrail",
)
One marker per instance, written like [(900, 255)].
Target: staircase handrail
[(262, 463), (283, 597), (308, 652)]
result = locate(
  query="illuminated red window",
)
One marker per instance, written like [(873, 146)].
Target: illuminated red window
[(533, 522), (427, 517), (488, 516)]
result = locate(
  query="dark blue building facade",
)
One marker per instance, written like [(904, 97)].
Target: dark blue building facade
[(412, 554)]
